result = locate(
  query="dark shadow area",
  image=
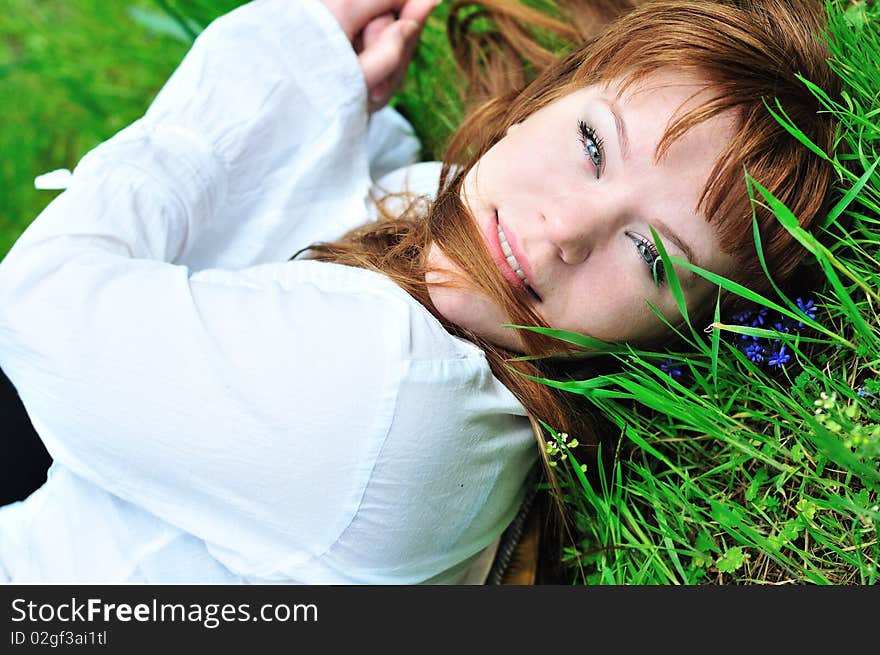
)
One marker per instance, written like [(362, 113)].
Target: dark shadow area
[(23, 458)]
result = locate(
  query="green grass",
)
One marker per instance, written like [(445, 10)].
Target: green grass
[(732, 472)]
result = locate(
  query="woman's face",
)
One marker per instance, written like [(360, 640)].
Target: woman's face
[(565, 201)]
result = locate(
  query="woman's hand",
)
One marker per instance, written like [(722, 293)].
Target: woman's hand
[(384, 35)]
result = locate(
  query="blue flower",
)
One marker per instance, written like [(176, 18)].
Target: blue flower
[(866, 394), (746, 319), (742, 317), (755, 352), (671, 368), (778, 357), (780, 326), (758, 319), (808, 307), (770, 350)]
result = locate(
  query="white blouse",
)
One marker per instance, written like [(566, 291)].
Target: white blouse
[(217, 413)]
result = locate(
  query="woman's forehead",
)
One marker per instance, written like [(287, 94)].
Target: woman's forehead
[(646, 108), (687, 89)]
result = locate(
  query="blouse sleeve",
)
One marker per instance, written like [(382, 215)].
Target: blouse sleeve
[(244, 406), (292, 121), (272, 98)]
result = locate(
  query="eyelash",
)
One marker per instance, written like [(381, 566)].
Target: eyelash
[(648, 252), (587, 134)]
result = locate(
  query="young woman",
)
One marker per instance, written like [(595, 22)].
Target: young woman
[(218, 412)]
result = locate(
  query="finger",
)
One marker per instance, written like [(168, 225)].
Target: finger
[(360, 12), (382, 91), (418, 10), (373, 31), (379, 96), (386, 55)]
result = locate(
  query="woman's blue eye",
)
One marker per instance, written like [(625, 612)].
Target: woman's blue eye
[(648, 252), (592, 146)]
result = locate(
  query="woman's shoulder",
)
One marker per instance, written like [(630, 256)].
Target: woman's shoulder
[(419, 335), (420, 178)]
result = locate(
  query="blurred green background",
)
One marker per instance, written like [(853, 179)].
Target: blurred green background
[(72, 74)]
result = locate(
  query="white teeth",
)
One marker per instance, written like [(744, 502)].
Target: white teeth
[(508, 253)]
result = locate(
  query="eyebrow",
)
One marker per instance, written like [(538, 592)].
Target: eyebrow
[(622, 136)]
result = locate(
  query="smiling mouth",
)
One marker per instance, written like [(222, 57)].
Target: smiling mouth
[(513, 263)]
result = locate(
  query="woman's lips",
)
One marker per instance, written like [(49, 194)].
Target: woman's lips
[(505, 248)]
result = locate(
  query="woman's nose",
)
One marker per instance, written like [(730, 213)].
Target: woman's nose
[(576, 228)]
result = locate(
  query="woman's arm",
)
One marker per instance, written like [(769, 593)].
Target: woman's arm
[(273, 96), (245, 406)]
